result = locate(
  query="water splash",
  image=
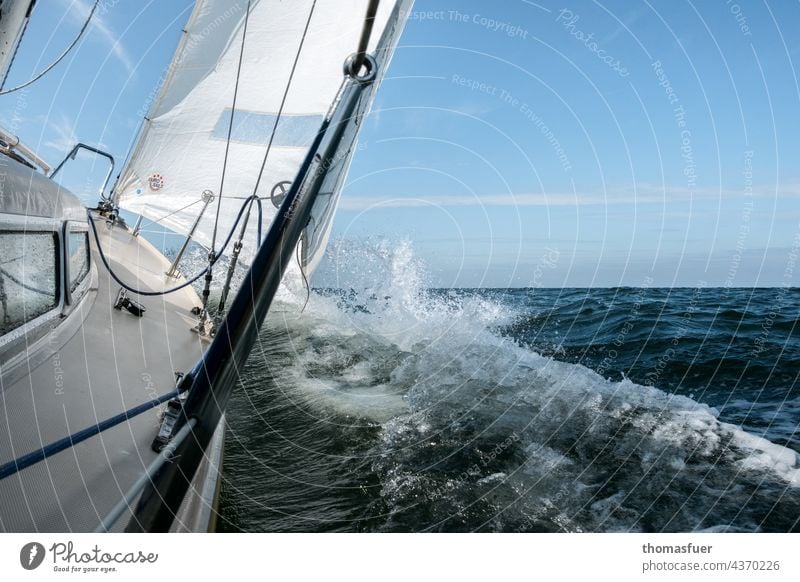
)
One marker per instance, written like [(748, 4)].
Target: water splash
[(446, 422)]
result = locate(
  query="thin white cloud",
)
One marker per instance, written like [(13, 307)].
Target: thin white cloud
[(63, 135), (641, 194), (78, 11)]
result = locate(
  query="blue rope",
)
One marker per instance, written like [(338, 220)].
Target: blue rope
[(25, 461)]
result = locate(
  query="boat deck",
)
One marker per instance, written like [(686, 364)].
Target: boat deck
[(112, 362)]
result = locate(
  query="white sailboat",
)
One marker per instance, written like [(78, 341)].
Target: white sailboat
[(251, 134)]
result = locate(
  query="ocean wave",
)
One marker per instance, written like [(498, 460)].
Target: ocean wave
[(429, 410)]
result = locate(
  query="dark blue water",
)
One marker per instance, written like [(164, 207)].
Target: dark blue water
[(401, 409)]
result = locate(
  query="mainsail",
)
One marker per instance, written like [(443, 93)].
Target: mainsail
[(286, 75)]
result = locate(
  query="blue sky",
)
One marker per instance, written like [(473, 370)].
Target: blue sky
[(514, 143)]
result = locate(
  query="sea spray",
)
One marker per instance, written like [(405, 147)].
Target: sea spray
[(388, 406)]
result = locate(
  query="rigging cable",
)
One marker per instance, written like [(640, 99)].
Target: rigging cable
[(214, 257), (283, 100), (60, 57), (363, 42), (230, 126), (305, 279), (19, 42), (366, 32), (274, 130), (171, 213)]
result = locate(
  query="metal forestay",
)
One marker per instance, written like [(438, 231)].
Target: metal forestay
[(230, 127)]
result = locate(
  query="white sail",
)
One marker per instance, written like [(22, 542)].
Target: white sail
[(292, 63)]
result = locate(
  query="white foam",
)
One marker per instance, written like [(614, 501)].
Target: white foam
[(767, 456), (442, 362)]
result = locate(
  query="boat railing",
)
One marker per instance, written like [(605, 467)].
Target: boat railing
[(207, 197), (74, 152)]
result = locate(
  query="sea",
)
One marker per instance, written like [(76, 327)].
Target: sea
[(391, 406)]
